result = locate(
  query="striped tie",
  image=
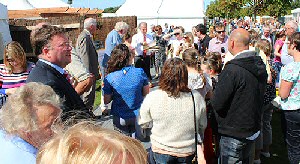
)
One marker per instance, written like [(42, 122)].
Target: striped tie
[(68, 77)]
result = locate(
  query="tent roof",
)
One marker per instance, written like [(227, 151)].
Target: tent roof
[(297, 10), (162, 8), (17, 4), (48, 3), (142, 8), (31, 4), (3, 13)]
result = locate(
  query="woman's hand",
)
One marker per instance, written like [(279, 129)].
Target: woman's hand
[(11, 91), (200, 155)]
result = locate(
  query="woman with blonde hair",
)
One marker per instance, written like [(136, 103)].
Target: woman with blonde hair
[(264, 140), (88, 143), (15, 70)]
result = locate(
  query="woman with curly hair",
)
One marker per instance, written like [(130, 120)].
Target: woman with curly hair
[(126, 87), (171, 111)]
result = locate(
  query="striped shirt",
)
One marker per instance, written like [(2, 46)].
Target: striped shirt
[(13, 80)]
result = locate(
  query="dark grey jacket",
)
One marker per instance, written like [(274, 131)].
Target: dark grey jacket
[(238, 96)]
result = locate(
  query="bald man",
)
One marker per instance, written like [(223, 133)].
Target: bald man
[(238, 100)]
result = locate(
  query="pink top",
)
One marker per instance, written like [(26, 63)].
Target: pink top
[(280, 43)]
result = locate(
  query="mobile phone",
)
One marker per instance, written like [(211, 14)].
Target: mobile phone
[(222, 49)]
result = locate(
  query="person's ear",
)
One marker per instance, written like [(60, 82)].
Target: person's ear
[(45, 51), (211, 71), (231, 44)]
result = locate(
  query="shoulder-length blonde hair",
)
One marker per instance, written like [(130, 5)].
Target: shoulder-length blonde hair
[(15, 51), (174, 77), (88, 143)]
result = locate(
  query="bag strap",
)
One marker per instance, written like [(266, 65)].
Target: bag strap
[(195, 126)]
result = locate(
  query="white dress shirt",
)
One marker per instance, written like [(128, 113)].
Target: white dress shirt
[(138, 40)]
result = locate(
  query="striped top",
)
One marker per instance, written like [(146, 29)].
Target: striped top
[(13, 80)]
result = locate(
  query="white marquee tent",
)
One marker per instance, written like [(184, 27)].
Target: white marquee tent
[(186, 13), (17, 4), (48, 3), (4, 29), (31, 4)]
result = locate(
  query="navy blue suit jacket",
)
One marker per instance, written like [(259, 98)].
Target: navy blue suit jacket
[(73, 106)]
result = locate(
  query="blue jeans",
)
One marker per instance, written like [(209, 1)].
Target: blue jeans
[(239, 151), (293, 135), (158, 158)]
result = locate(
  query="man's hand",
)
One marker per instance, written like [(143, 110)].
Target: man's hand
[(85, 85)]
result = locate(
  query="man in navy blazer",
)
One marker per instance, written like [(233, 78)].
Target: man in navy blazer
[(54, 51)]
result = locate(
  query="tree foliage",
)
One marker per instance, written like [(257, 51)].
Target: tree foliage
[(241, 8), (111, 9)]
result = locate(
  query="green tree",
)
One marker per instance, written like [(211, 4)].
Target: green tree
[(111, 9), (241, 8)]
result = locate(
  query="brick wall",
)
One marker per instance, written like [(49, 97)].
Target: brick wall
[(21, 34)]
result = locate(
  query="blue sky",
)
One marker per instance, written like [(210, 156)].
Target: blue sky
[(102, 4)]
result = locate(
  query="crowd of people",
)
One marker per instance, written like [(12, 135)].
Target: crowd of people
[(212, 103)]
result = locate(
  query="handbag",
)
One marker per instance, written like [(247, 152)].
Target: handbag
[(195, 160)]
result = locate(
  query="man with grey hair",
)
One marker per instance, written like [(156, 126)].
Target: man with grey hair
[(290, 28), (88, 55), (26, 121), (114, 37)]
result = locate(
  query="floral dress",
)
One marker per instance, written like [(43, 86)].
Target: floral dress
[(291, 73)]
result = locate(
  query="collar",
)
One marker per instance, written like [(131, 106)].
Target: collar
[(241, 53), (58, 68), (88, 32), (19, 142), (219, 41)]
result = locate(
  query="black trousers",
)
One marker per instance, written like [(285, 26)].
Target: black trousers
[(144, 63)]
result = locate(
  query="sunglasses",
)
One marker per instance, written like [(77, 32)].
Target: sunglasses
[(219, 32), (176, 34)]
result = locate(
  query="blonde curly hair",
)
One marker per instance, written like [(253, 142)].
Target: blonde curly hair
[(18, 112)]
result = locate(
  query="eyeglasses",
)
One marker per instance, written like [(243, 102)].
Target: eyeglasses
[(10, 60), (67, 44), (219, 32), (176, 34)]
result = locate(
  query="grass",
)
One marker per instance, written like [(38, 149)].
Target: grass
[(98, 94)]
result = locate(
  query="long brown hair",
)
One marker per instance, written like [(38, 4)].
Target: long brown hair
[(174, 77), (119, 58)]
